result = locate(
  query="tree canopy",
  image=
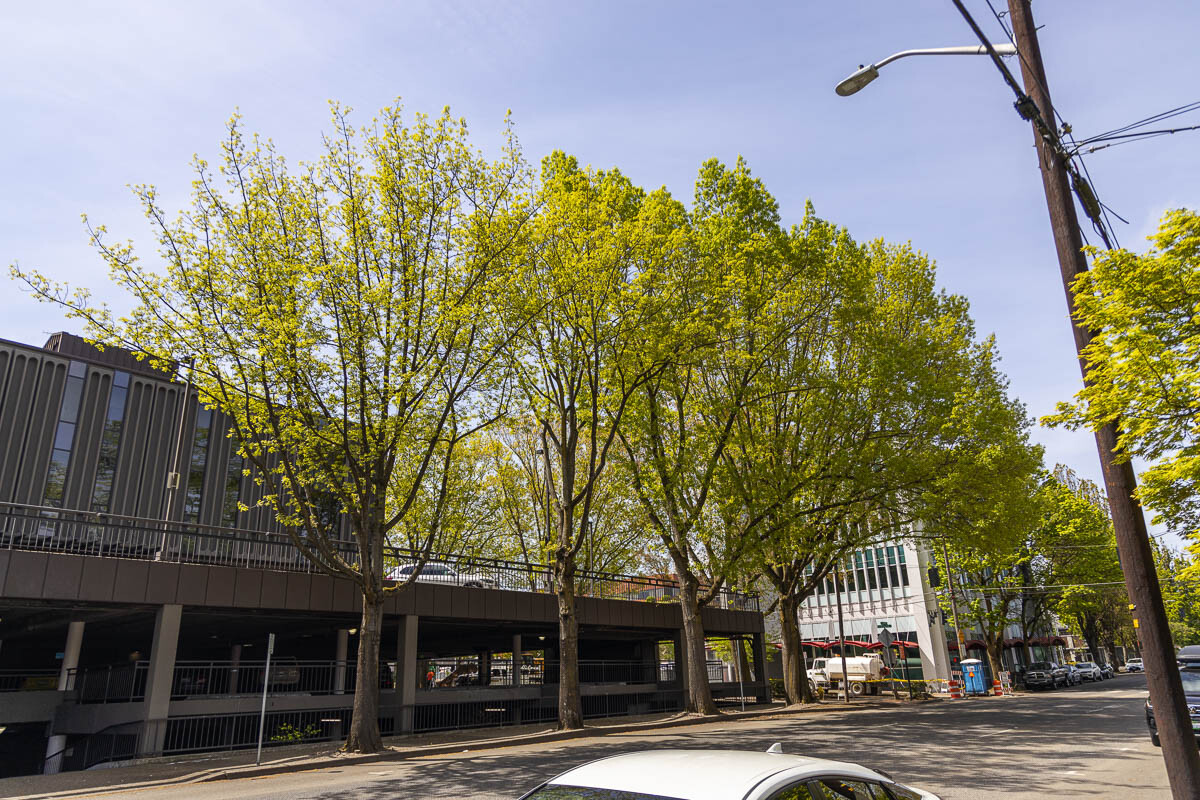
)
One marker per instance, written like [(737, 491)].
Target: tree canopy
[(1143, 363)]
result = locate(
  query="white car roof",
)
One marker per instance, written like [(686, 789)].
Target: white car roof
[(702, 774)]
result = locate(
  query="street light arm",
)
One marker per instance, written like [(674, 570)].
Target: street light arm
[(866, 74), (970, 50)]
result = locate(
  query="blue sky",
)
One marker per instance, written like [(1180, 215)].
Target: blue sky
[(98, 96)]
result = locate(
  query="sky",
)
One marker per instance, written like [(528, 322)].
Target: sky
[(101, 96)]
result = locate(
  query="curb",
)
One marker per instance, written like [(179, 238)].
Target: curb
[(307, 763)]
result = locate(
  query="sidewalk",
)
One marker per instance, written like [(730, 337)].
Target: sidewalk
[(294, 758)]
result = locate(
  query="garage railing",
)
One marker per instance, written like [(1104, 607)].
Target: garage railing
[(46, 529)]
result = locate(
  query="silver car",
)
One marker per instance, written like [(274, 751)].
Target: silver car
[(720, 775), (1090, 671), (437, 572)]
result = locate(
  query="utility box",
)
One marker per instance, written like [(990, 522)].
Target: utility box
[(975, 677)]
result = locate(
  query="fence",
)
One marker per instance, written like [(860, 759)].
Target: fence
[(28, 680), (41, 528)]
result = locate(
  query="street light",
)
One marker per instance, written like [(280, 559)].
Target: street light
[(866, 74)]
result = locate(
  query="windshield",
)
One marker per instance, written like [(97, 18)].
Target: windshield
[(1041, 665), (559, 792), (1191, 681)]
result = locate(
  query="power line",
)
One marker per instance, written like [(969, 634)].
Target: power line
[(1130, 138), (1164, 115), (1040, 589), (1028, 109)]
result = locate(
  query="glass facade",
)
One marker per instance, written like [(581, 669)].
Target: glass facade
[(64, 435), (233, 490), (110, 442), (868, 570), (197, 465)]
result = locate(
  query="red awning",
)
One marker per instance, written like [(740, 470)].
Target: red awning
[(822, 645), (1047, 641), (1013, 642), (974, 644), (878, 646), (853, 643)]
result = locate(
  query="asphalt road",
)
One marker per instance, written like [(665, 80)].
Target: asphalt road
[(1087, 741)]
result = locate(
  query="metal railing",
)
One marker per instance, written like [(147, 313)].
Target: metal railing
[(46, 529), (114, 743), (28, 680), (115, 683), (126, 683), (714, 668), (217, 732), (287, 676), (602, 671)]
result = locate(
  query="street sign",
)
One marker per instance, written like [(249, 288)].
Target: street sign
[(886, 638), (885, 624)]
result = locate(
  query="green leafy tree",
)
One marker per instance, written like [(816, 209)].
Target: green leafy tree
[(1180, 581), (867, 422), (742, 299), (336, 314), (585, 307), (1077, 535), (1143, 365)]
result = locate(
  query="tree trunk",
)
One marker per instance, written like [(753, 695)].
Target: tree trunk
[(795, 677), (699, 698), (364, 723), (570, 707), (995, 657)]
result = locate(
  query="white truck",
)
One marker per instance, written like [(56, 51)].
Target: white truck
[(860, 672)]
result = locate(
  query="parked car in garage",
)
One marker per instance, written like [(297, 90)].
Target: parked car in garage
[(437, 572), (1089, 671), (1134, 665), (1045, 675), (1190, 674), (711, 774)]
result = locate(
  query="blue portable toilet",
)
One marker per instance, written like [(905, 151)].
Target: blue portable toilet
[(974, 676)]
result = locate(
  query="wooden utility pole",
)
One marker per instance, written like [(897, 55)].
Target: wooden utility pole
[(1133, 543)]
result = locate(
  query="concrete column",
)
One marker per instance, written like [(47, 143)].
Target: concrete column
[(161, 676), (517, 658), (56, 743), (763, 690), (339, 655), (71, 650), (406, 667), (485, 667)]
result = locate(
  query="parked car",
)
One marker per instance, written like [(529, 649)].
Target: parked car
[(1045, 675), (1134, 665), (1109, 670), (704, 774), (1089, 671), (437, 572), (1073, 676), (1189, 654), (1190, 673)]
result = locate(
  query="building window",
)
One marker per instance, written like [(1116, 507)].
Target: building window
[(110, 442), (64, 435), (881, 567), (891, 551), (870, 562), (233, 490), (199, 460), (903, 566)]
